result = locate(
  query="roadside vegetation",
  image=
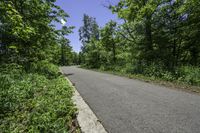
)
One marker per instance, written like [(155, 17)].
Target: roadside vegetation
[(158, 40), (34, 96), (38, 101)]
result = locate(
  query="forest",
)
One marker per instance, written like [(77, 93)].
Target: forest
[(34, 96), (158, 39)]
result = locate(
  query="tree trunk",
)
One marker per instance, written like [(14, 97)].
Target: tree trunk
[(114, 52)]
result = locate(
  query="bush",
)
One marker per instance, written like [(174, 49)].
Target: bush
[(129, 69), (45, 68), (30, 102), (189, 74), (153, 70), (186, 74), (168, 76)]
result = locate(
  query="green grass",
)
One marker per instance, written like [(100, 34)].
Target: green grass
[(35, 101)]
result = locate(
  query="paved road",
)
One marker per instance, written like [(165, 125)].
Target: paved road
[(130, 106)]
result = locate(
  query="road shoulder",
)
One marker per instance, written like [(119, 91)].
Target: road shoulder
[(87, 120)]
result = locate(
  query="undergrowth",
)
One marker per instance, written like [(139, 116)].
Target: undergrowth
[(184, 77), (38, 100)]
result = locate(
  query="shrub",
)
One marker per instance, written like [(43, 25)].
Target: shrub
[(189, 74), (129, 68), (186, 74), (30, 102), (168, 76), (45, 68)]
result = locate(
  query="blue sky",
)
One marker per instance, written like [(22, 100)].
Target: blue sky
[(93, 8)]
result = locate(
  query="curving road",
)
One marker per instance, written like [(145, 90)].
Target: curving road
[(131, 106)]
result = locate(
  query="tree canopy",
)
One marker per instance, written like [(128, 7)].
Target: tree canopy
[(28, 33), (162, 35)]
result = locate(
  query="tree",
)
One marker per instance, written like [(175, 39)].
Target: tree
[(27, 33), (89, 30), (137, 16), (108, 38), (189, 12)]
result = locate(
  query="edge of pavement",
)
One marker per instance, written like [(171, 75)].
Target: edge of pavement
[(87, 120)]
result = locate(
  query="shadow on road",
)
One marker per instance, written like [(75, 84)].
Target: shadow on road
[(68, 74)]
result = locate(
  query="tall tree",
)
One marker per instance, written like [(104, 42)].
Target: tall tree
[(89, 30), (27, 34), (108, 38), (190, 11), (137, 16)]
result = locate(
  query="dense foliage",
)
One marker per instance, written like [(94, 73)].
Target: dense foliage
[(155, 38), (34, 97), (35, 102), (28, 34)]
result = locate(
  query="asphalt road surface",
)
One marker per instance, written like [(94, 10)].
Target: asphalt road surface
[(131, 106)]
